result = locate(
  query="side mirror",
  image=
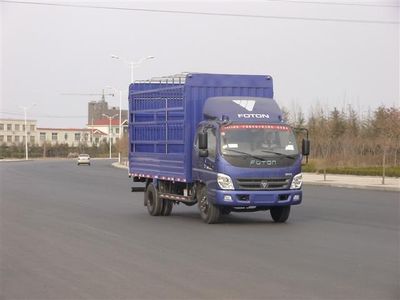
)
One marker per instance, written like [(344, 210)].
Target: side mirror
[(203, 144), (305, 147), (203, 153), (203, 141)]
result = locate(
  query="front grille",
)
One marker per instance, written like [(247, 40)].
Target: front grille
[(266, 184)]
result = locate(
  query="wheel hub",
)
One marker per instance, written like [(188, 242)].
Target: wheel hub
[(204, 204)]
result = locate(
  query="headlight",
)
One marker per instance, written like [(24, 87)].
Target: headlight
[(225, 182), (297, 181)]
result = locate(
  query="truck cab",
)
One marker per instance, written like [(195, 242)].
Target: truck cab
[(246, 158)]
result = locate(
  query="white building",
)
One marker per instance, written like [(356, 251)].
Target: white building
[(12, 131), (71, 136), (103, 125)]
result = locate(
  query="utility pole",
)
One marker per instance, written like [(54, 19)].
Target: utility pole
[(25, 108), (132, 64), (120, 126), (120, 119), (109, 129)]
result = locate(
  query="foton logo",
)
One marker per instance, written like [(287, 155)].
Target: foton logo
[(256, 116), (257, 162), (246, 104)]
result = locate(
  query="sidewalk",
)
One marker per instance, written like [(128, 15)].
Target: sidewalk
[(353, 181), (348, 181), (119, 166)]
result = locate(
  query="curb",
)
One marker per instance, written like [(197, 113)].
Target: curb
[(354, 186), (119, 166), (15, 160)]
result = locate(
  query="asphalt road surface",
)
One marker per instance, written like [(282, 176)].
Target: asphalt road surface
[(70, 232)]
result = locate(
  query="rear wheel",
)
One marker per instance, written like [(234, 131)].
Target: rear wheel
[(209, 212), (153, 201), (167, 208), (280, 214)]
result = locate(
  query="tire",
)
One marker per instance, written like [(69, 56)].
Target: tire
[(209, 212), (280, 214), (167, 207), (153, 201)]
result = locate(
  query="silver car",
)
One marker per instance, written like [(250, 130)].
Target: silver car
[(84, 159)]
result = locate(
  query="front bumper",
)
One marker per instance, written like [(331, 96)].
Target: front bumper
[(83, 161), (246, 198)]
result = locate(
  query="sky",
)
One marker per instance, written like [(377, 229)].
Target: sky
[(320, 53)]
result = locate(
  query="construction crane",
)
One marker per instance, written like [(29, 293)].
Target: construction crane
[(103, 98)]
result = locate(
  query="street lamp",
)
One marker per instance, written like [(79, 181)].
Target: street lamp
[(109, 129), (132, 64), (25, 108), (120, 118)]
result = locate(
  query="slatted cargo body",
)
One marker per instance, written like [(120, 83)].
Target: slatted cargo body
[(163, 117)]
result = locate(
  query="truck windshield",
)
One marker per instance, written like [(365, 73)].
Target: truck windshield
[(263, 140)]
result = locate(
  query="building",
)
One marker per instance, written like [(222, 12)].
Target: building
[(98, 137), (103, 125), (96, 109), (71, 136), (12, 131)]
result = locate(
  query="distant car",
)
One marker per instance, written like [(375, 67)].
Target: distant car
[(84, 159)]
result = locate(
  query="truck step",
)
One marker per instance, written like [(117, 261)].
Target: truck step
[(175, 197)]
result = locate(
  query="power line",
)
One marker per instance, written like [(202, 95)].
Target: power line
[(336, 3), (184, 12)]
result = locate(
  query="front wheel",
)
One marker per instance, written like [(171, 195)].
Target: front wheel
[(209, 212), (280, 214)]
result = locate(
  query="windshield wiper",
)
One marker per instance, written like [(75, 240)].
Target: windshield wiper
[(245, 153), (280, 154)]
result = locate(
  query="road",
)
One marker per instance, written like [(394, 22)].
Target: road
[(70, 232)]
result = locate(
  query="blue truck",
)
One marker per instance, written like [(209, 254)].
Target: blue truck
[(217, 140)]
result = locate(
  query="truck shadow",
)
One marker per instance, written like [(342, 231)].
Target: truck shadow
[(231, 219)]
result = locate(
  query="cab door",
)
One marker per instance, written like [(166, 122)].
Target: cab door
[(204, 168)]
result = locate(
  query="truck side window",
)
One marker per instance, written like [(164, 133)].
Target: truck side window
[(212, 143)]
